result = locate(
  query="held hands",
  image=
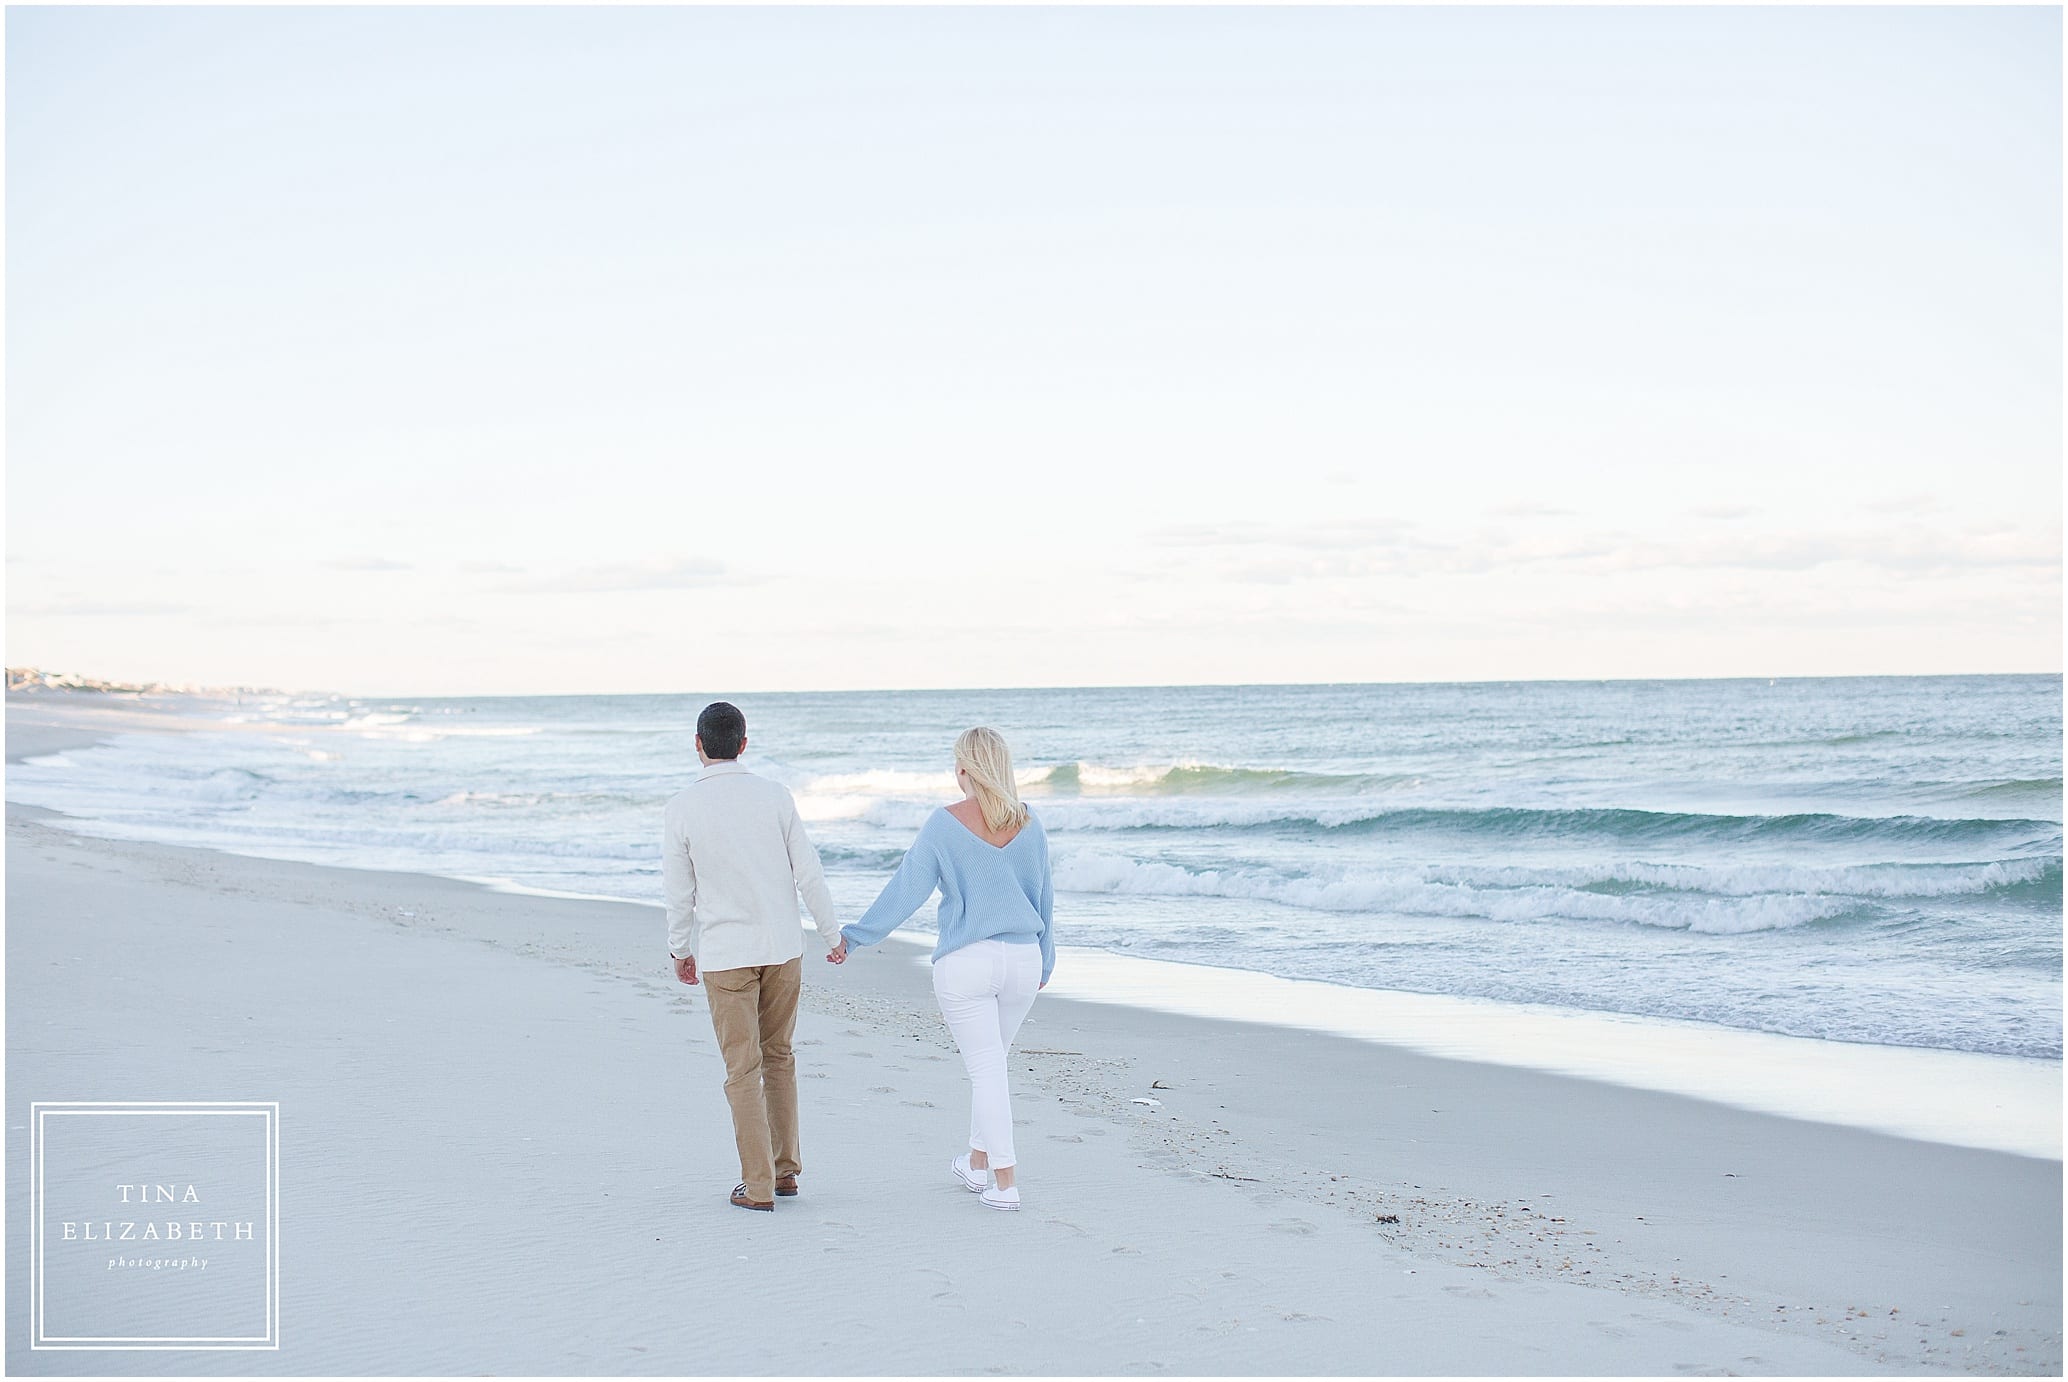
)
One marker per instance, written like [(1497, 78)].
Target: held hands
[(838, 954)]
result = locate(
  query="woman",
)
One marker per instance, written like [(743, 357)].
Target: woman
[(988, 856)]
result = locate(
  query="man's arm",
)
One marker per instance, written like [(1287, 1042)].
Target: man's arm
[(808, 874), (679, 884)]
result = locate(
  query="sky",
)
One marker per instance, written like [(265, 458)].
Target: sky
[(468, 351)]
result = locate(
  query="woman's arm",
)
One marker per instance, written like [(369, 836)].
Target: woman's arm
[(1048, 914), (918, 874)]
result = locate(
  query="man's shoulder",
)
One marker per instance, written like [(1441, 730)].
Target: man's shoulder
[(730, 787), (747, 781)]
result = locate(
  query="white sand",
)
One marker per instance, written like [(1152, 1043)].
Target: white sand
[(505, 1149)]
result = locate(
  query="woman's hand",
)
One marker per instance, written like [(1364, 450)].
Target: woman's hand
[(838, 954)]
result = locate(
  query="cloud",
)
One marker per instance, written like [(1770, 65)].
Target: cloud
[(1267, 554), (1263, 554), (1347, 532), (1909, 503), (490, 568), (1851, 612), (368, 564), (102, 608), (684, 573), (1530, 508), (294, 618), (1723, 511), (1911, 549)]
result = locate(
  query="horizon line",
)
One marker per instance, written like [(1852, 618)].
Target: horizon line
[(112, 686)]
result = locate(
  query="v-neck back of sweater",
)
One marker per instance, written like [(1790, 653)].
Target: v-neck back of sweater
[(987, 891)]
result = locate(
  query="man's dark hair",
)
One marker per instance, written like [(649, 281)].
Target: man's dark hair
[(723, 730)]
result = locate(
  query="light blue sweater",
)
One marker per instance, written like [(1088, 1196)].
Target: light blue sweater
[(986, 890)]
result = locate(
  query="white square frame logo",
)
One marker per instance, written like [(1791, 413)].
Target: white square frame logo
[(174, 1108)]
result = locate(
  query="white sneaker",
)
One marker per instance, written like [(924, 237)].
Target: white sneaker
[(996, 1198), (972, 1179)]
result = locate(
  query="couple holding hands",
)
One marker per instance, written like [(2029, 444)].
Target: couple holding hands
[(735, 857)]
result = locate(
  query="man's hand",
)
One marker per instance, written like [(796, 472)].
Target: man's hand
[(686, 968), (838, 954)]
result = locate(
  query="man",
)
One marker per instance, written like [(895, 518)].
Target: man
[(734, 856)]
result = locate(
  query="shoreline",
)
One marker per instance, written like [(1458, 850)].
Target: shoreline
[(1980, 1100), (1693, 1218), (1747, 1242)]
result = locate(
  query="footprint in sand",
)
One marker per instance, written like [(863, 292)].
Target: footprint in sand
[(1470, 1292), (1064, 1137), (915, 1103), (881, 1089), (1297, 1226), (1612, 1330)]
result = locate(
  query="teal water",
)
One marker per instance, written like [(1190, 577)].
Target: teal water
[(1858, 859)]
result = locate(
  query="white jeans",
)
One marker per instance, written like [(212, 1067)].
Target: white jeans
[(984, 990)]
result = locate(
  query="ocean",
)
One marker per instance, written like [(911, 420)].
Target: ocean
[(1872, 860)]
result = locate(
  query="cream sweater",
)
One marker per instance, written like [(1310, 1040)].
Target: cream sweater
[(734, 857)]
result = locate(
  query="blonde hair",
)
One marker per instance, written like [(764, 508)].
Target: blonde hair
[(982, 753)]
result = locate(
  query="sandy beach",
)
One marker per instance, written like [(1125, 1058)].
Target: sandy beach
[(504, 1149)]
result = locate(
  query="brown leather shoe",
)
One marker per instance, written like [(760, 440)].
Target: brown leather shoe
[(786, 1186), (739, 1197)]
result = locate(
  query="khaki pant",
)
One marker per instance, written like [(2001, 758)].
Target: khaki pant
[(754, 1012)]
